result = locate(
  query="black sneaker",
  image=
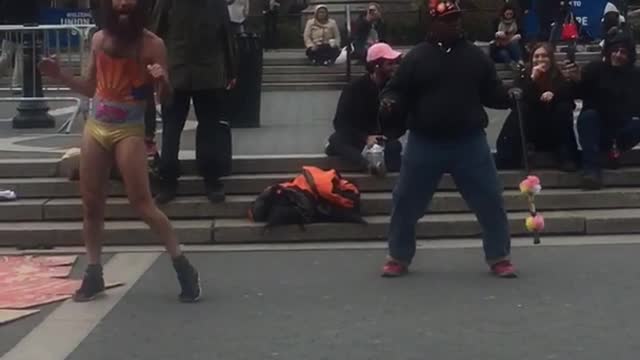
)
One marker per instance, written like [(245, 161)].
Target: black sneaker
[(592, 181), (189, 280), (167, 194), (92, 284), (215, 191)]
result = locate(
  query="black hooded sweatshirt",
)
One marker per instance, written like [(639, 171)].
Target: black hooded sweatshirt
[(444, 90), (612, 91)]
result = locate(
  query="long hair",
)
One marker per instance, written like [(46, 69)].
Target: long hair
[(553, 73), (125, 33)]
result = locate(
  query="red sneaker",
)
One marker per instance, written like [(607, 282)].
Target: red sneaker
[(504, 269), (393, 268)]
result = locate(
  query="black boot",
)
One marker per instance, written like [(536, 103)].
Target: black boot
[(168, 192), (189, 280), (592, 180), (214, 190), (92, 284)]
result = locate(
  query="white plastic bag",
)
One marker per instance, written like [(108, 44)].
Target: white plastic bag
[(374, 154), (342, 58)]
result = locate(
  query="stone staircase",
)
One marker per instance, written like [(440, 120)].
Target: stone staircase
[(49, 213), (290, 70)]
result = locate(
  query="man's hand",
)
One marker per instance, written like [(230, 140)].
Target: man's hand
[(372, 140), (157, 72), (546, 97), (231, 84), (50, 67), (387, 104), (515, 93), (571, 71)]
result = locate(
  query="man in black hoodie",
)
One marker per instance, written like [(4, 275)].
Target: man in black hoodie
[(444, 84), (609, 118), (356, 121)]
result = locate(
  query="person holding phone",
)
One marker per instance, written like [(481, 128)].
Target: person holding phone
[(547, 110), (609, 121), (356, 121)]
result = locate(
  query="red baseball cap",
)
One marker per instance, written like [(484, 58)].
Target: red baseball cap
[(382, 51), (442, 8)]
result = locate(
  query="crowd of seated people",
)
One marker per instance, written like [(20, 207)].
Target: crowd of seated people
[(609, 121), (608, 124), (322, 37)]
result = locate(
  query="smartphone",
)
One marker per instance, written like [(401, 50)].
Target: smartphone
[(571, 53)]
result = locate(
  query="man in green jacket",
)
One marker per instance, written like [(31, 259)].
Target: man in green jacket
[(202, 67)]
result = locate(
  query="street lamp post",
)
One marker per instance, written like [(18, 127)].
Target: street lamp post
[(32, 113)]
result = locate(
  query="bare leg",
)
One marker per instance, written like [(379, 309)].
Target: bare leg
[(95, 167), (131, 159)]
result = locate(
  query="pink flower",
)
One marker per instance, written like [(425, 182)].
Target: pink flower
[(534, 223), (530, 185)]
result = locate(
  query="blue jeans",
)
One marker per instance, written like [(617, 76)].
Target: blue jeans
[(507, 54), (469, 161), (597, 134)]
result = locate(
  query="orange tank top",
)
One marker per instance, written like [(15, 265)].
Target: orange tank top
[(122, 87)]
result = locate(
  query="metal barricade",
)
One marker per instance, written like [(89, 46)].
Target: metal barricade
[(25, 46)]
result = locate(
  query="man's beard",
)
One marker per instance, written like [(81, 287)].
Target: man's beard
[(125, 28)]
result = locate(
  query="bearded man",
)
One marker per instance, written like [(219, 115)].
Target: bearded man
[(127, 64)]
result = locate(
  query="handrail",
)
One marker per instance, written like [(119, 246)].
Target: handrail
[(348, 26)]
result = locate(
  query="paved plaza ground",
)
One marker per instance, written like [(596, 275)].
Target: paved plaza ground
[(571, 302), (293, 122)]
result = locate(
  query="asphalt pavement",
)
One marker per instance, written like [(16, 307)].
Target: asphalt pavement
[(577, 302)]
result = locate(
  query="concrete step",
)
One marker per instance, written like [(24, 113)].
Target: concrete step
[(247, 164), (49, 234), (304, 78), (198, 207), (254, 184), (295, 86), (434, 226), (306, 69)]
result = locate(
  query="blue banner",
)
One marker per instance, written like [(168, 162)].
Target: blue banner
[(52, 16), (587, 12)]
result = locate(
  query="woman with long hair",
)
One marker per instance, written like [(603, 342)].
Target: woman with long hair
[(127, 64), (547, 108)]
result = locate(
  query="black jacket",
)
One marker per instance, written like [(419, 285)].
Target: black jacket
[(362, 28), (561, 88), (356, 115), (613, 92), (444, 91)]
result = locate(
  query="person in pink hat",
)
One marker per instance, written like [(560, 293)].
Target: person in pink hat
[(356, 120)]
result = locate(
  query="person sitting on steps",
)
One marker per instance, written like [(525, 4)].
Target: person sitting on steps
[(506, 47), (609, 118), (322, 38), (356, 121), (547, 108)]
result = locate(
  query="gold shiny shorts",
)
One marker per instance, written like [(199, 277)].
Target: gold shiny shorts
[(109, 135)]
